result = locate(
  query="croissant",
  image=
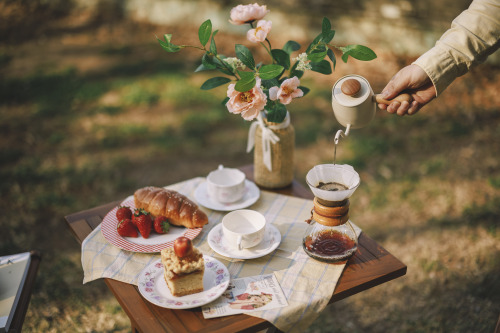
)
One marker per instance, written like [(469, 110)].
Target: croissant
[(174, 206)]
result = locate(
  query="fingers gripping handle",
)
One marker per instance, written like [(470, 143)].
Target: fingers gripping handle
[(400, 98)]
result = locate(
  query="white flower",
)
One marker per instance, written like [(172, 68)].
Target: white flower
[(234, 63), (304, 63)]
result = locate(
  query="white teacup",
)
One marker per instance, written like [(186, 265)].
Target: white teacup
[(243, 228), (226, 185)]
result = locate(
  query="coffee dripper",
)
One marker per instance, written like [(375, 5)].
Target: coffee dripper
[(330, 236), (354, 103)]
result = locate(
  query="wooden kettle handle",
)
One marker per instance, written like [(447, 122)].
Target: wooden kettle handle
[(352, 86), (400, 98)]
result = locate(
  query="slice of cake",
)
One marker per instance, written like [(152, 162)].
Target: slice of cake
[(183, 268)]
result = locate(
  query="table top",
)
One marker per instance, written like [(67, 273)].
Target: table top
[(371, 265)]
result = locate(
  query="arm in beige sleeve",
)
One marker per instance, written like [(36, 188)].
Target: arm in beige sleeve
[(473, 36)]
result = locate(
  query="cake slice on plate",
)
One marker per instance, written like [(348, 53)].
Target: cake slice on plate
[(184, 267)]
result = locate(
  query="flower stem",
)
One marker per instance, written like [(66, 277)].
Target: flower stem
[(227, 66), (268, 50), (194, 47)]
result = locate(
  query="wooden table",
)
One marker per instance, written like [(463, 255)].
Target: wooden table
[(371, 265)]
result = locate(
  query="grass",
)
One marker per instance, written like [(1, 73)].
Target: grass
[(75, 136)]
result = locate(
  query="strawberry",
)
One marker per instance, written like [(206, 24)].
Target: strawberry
[(138, 212), (126, 228), (144, 223), (123, 212), (161, 224)]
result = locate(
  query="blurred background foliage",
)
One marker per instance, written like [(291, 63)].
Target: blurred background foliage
[(91, 108)]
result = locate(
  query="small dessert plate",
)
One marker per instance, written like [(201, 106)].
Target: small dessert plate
[(153, 287), (252, 194), (270, 242)]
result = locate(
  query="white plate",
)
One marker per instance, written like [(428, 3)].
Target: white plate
[(252, 194), (154, 243), (153, 287), (270, 242)]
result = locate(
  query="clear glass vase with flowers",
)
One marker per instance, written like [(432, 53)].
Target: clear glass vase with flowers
[(260, 91)]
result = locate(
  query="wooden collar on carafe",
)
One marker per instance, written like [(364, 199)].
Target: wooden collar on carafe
[(330, 213)]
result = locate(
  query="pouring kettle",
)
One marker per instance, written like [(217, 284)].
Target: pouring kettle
[(354, 103)]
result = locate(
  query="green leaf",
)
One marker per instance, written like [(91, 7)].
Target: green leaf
[(244, 54), (221, 65), (225, 71), (214, 82), (246, 75), (331, 55), (327, 38), (267, 84), (326, 26), (305, 90), (281, 57), (345, 56), (204, 32), (208, 62), (295, 72), (201, 68), (213, 47), (225, 100), (291, 46), (167, 37), (314, 43), (246, 82), (276, 112), (359, 52), (322, 67), (318, 54), (166, 45), (268, 72)]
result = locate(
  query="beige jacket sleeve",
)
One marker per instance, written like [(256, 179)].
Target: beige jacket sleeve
[(473, 36)]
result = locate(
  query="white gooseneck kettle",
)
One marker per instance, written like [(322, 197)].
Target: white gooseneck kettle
[(354, 103)]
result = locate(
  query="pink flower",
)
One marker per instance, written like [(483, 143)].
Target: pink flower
[(248, 103), (288, 90), (242, 14), (259, 34)]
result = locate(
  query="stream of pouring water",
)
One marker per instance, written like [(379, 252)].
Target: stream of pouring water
[(335, 154)]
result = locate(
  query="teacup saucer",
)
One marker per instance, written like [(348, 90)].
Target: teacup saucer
[(252, 194), (270, 242)]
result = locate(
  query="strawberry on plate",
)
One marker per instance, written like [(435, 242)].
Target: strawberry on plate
[(144, 223), (161, 224), (126, 228), (123, 212), (138, 212)]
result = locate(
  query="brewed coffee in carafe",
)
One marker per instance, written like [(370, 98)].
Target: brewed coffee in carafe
[(330, 236)]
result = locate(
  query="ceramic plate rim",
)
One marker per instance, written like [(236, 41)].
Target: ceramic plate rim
[(217, 227), (159, 272), (108, 229), (229, 207)]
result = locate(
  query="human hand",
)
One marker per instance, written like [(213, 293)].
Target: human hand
[(413, 80)]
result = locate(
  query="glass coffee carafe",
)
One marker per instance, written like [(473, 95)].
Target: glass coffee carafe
[(330, 236)]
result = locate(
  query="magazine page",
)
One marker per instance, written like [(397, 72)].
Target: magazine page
[(245, 295)]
